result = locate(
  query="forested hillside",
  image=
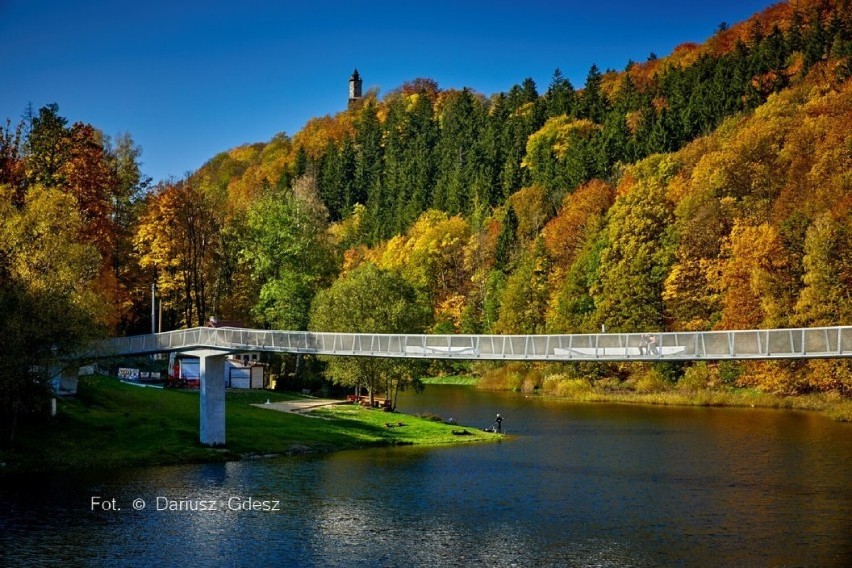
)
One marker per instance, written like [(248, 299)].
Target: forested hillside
[(707, 189)]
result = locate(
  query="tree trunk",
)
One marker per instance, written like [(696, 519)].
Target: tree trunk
[(395, 396)]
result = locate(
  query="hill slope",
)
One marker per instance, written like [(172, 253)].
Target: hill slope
[(709, 189)]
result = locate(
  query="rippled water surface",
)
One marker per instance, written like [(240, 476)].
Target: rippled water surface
[(573, 485)]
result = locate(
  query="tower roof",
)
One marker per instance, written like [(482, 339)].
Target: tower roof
[(355, 76)]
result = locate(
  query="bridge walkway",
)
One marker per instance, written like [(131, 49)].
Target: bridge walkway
[(799, 343)]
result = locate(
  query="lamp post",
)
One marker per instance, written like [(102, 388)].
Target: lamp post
[(153, 308)]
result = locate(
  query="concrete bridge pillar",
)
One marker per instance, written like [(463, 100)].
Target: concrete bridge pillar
[(63, 378), (212, 400)]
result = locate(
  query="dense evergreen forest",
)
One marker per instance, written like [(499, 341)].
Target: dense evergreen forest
[(707, 189)]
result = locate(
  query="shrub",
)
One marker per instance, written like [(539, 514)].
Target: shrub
[(776, 377), (531, 381), (730, 371), (610, 384), (826, 375), (565, 386), (574, 388), (696, 377), (507, 377), (551, 384), (651, 381)]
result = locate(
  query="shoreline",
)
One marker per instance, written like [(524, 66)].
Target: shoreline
[(113, 425), (838, 410), (830, 405), (110, 425)]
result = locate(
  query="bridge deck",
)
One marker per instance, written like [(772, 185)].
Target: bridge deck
[(800, 343)]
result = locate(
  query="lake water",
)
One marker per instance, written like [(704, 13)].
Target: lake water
[(573, 485)]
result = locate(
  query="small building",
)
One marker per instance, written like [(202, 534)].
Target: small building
[(242, 371)]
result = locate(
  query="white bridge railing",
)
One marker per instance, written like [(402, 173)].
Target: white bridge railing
[(800, 343)]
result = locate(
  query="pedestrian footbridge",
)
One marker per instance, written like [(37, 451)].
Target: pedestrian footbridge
[(801, 343), (212, 345)]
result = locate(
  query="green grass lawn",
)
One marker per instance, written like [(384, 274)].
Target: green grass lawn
[(111, 424)]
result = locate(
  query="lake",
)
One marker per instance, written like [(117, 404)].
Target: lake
[(572, 485)]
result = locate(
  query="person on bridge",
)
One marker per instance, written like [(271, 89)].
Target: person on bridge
[(652, 345), (498, 424), (643, 343)]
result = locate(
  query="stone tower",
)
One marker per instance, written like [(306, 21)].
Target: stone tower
[(354, 87)]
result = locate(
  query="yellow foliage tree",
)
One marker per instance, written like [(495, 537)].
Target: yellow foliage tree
[(750, 278), (826, 298), (45, 249), (431, 257), (531, 207)]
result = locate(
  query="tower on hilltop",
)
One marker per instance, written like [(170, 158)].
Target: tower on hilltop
[(354, 87)]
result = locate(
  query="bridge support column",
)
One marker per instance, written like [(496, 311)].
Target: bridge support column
[(212, 399), (64, 378)]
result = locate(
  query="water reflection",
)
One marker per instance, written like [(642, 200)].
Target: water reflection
[(591, 485)]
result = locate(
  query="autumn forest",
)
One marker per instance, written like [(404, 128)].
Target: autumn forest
[(710, 188)]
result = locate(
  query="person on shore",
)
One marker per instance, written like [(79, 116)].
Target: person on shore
[(498, 424)]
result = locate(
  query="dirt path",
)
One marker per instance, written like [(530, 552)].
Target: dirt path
[(303, 405)]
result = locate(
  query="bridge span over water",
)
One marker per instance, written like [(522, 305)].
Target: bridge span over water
[(801, 343), (212, 345)]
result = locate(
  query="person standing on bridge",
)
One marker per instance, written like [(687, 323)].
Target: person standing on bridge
[(652, 345), (643, 343)]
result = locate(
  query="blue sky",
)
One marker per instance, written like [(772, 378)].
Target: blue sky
[(190, 79)]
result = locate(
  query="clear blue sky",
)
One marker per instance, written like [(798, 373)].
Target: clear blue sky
[(190, 79)]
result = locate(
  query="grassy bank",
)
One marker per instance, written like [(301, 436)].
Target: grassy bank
[(111, 424), (830, 405), (466, 380), (650, 388)]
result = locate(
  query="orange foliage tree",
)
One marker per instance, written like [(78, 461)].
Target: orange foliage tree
[(750, 278), (565, 234), (174, 240)]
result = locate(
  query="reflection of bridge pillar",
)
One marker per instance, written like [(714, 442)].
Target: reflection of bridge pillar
[(212, 399)]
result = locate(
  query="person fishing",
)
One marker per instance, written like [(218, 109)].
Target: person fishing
[(498, 424)]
